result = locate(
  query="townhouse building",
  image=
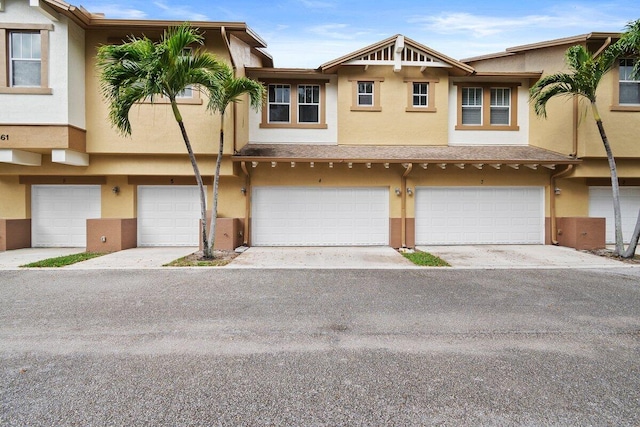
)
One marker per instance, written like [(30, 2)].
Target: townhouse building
[(394, 144)]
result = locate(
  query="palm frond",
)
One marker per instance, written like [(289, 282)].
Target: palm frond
[(231, 90)]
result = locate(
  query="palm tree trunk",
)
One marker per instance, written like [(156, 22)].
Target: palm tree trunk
[(196, 171), (615, 189), (216, 181), (633, 244)]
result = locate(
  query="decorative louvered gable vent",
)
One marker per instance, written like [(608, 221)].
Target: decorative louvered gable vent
[(398, 54)]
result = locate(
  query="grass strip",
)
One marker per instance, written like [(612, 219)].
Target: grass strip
[(64, 260), (188, 261), (425, 259)]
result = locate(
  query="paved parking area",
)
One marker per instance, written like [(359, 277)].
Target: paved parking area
[(360, 257), (379, 257), (519, 256)]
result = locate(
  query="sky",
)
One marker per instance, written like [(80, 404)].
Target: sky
[(308, 33)]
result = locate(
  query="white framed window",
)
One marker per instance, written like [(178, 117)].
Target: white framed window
[(308, 104), (186, 93), (629, 89), (295, 103), (279, 103), (500, 106), (420, 98), (472, 106), (487, 106), (365, 94), (25, 59)]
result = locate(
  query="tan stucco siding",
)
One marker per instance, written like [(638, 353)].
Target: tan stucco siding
[(16, 198), (154, 129), (393, 125)]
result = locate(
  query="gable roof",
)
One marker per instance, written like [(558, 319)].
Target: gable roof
[(582, 38), (399, 51)]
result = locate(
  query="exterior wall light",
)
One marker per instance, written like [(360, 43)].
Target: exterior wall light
[(115, 190), (243, 190), (557, 191), (398, 192), (409, 191)]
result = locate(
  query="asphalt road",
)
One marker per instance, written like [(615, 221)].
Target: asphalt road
[(313, 348)]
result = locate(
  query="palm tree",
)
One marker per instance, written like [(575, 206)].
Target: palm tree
[(629, 44), (142, 69), (230, 91), (586, 72)]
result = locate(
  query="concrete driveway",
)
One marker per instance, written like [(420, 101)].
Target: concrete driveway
[(360, 257), (519, 256), (379, 257)]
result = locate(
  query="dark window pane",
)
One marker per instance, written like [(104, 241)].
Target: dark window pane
[(278, 113), (629, 93), (308, 114), (499, 116), (471, 116), (26, 73)]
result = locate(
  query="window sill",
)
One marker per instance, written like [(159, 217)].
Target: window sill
[(421, 109), (487, 128), (189, 101), (631, 107), (366, 108), (26, 90), (293, 126)]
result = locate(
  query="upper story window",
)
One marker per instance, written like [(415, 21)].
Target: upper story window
[(366, 94), (500, 106), (279, 103), (294, 104), (629, 87), (24, 58), (421, 95), (472, 106), (487, 106), (309, 103), (25, 62)]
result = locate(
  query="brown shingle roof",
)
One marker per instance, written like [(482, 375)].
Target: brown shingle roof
[(401, 154)]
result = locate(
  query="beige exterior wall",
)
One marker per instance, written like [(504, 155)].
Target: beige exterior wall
[(392, 125), (154, 129), (16, 198)]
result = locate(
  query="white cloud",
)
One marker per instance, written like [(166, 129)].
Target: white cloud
[(566, 18), (316, 4), (177, 12), (117, 11)]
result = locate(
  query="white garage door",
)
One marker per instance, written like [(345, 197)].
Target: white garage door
[(471, 215), (601, 206), (59, 214), (168, 215), (305, 216)]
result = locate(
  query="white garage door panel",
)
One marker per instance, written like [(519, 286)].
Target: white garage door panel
[(168, 215), (59, 214), (493, 215), (601, 206), (305, 216)]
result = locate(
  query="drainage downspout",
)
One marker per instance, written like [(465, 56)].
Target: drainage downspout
[(552, 202), (247, 204), (403, 209)]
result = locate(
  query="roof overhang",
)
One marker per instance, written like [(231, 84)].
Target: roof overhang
[(476, 156), (566, 41), (285, 73)]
